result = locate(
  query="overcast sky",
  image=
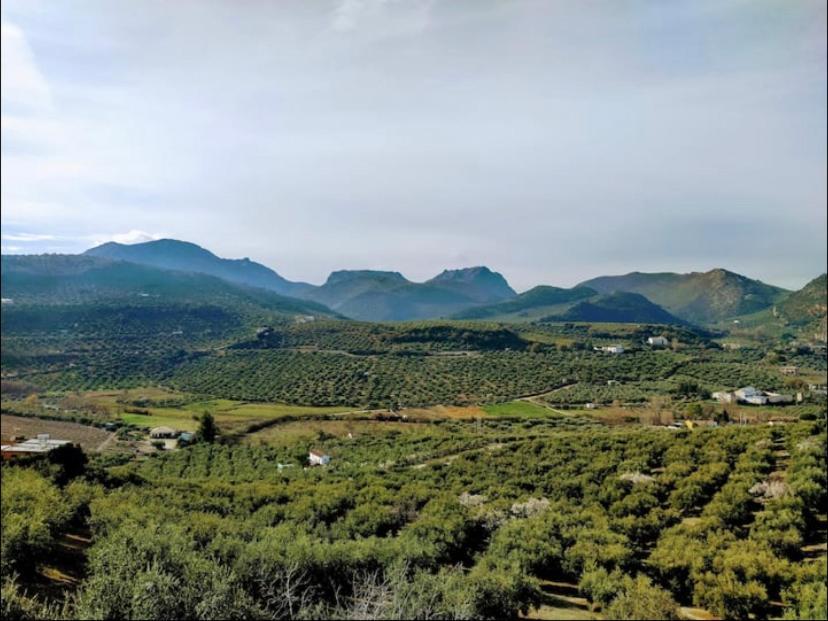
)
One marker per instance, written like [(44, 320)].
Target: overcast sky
[(552, 141)]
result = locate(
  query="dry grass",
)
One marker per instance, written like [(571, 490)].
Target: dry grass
[(445, 411)]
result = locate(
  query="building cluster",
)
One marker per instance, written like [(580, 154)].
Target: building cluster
[(42, 444), (172, 438), (752, 396)]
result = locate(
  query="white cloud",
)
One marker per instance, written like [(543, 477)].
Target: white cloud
[(130, 237), (27, 237), (23, 84), (412, 134)]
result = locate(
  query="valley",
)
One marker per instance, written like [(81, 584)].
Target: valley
[(558, 454)]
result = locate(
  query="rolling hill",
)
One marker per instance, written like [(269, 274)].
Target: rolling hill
[(540, 301), (806, 308), (698, 297), (172, 254), (619, 307)]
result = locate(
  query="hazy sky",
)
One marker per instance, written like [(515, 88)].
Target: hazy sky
[(552, 141)]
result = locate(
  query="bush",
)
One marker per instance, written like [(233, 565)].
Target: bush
[(639, 599)]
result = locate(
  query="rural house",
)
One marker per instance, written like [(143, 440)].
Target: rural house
[(658, 341), (318, 458), (167, 435), (751, 395), (39, 445), (163, 433)]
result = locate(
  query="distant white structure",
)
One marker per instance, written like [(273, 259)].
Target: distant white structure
[(751, 395), (167, 435), (775, 397), (43, 443), (317, 458), (159, 433), (6, 301), (658, 341), (724, 397), (747, 391), (613, 349), (818, 389)]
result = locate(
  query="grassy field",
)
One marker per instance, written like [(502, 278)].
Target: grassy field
[(154, 406), (288, 434), (182, 423), (518, 409), (230, 415)]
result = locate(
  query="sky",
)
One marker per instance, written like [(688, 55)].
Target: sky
[(550, 141)]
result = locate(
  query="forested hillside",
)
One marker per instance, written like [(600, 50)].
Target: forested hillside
[(698, 297)]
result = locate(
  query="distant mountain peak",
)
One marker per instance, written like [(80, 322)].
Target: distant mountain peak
[(174, 254), (479, 283)]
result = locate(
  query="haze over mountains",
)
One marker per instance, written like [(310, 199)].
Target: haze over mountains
[(172, 254), (359, 294), (701, 298), (87, 279)]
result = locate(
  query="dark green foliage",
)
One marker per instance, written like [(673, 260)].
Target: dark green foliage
[(207, 430), (534, 298), (618, 308), (221, 531)]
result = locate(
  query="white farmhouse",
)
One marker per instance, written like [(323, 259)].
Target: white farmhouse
[(749, 394), (658, 341), (318, 458), (613, 349), (747, 391)]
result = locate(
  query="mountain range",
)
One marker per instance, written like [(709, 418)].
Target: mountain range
[(360, 294), (54, 279), (701, 298), (172, 254)]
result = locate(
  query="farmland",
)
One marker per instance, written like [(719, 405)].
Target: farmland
[(411, 365), (498, 511), (467, 475)]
